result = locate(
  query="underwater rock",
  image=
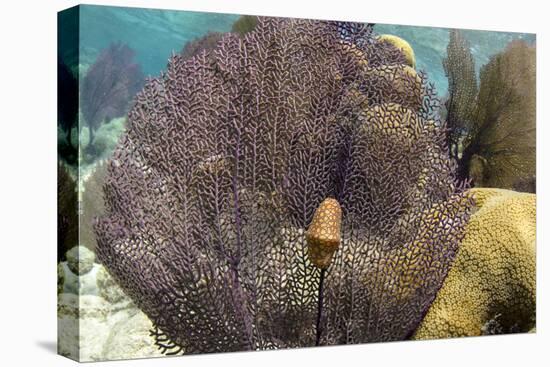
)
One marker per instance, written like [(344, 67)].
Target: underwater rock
[(402, 45), (77, 275), (86, 324), (108, 288), (84, 137), (69, 282), (88, 308), (105, 140), (493, 273), (74, 137), (130, 338), (95, 281), (81, 275), (80, 260), (67, 333), (60, 277), (82, 326)]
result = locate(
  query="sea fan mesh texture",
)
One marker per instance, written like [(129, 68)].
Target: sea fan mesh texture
[(225, 160)]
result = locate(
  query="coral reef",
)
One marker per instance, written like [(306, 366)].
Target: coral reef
[(494, 138), (77, 275), (108, 87), (225, 160), (80, 260), (491, 285)]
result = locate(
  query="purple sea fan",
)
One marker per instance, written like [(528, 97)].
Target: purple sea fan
[(226, 158)]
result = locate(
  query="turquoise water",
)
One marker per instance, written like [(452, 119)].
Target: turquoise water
[(155, 34)]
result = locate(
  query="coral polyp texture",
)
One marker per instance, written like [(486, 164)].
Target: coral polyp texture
[(492, 280), (227, 157)]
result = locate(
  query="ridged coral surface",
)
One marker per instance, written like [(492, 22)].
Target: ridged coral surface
[(493, 277)]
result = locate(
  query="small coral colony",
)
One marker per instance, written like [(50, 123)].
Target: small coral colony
[(296, 183)]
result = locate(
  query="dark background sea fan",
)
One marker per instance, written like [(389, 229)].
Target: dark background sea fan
[(109, 86), (67, 99), (460, 69), (67, 111), (225, 160), (495, 124)]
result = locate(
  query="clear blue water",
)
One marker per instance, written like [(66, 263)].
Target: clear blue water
[(155, 34)]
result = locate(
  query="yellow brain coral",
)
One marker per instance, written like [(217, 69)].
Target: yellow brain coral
[(401, 44), (493, 276)]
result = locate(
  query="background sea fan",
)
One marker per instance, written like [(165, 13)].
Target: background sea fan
[(109, 86), (67, 99), (67, 111), (225, 160), (460, 69), (504, 134), (495, 125)]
